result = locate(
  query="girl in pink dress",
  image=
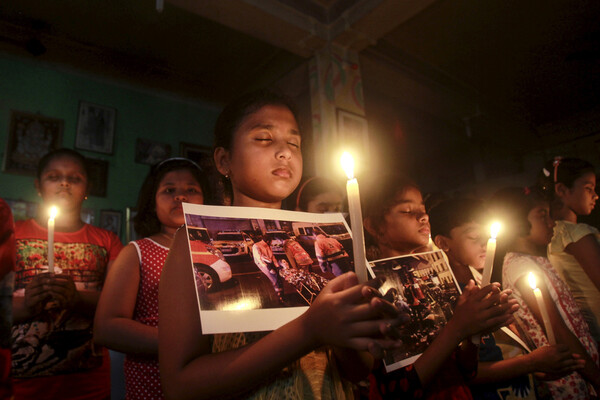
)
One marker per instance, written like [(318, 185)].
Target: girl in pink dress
[(127, 314)]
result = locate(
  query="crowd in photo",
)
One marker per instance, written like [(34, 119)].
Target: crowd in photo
[(71, 291)]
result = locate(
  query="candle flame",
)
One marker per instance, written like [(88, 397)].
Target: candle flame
[(348, 164), (53, 212), (532, 281), (494, 229)]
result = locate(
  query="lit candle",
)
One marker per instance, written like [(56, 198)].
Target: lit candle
[(540, 301), (490, 252), (358, 241), (53, 213)]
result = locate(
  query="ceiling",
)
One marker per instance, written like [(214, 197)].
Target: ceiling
[(534, 61)]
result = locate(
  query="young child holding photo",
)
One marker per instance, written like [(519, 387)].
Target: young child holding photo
[(258, 148)]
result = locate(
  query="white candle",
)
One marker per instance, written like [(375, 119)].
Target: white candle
[(53, 212), (358, 241), (540, 301), (490, 252)]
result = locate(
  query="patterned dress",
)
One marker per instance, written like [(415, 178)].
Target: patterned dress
[(53, 355), (516, 265), (142, 377)]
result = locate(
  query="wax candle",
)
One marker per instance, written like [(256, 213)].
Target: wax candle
[(358, 241), (490, 252), (543, 311), (53, 213)]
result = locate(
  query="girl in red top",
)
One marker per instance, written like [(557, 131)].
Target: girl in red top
[(53, 356)]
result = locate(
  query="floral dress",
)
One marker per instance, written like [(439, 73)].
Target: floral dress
[(516, 265)]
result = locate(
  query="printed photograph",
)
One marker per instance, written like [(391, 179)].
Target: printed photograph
[(423, 286), (256, 269)]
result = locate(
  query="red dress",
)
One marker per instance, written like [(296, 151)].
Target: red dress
[(142, 377)]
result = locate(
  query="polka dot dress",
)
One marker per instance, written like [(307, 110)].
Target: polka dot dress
[(142, 378)]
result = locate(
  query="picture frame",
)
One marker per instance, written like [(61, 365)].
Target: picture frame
[(111, 221), (95, 128), (150, 152), (30, 137), (22, 210), (97, 176), (88, 215), (353, 132)]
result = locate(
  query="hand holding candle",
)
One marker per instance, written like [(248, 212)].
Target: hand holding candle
[(490, 252), (543, 311), (53, 213), (358, 241)]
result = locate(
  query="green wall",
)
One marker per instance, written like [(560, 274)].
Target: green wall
[(52, 91)]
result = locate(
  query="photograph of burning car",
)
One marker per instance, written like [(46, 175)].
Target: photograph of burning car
[(421, 285)]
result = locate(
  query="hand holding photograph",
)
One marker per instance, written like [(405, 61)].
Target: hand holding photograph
[(422, 286), (256, 269)]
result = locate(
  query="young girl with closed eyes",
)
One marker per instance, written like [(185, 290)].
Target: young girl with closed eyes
[(258, 149)]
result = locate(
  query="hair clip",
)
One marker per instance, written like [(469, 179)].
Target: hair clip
[(546, 172), (556, 163)]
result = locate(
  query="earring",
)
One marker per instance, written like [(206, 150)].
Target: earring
[(227, 174), (85, 198)]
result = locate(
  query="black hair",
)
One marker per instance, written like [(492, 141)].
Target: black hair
[(561, 170), (59, 153), (235, 112), (146, 221), (313, 187), (452, 213), (380, 196), (511, 206)]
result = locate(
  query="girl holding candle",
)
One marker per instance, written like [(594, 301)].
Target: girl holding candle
[(127, 315), (526, 216), (53, 354), (258, 150), (397, 223), (570, 186)]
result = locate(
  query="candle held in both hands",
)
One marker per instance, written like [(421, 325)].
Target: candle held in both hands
[(53, 214), (358, 241), (490, 252), (543, 311)]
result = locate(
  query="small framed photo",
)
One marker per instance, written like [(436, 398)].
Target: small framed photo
[(22, 210), (111, 221), (88, 215), (97, 176), (202, 155), (95, 128), (150, 152), (353, 132), (30, 137)]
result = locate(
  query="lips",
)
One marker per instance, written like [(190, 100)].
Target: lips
[(282, 172)]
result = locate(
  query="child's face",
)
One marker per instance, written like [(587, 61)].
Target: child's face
[(265, 160), (325, 202), (541, 225), (63, 183), (466, 245), (406, 224), (581, 198), (174, 188)]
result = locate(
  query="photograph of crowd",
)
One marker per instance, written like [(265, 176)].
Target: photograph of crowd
[(423, 286), (243, 262)]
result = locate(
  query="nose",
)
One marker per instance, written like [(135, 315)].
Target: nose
[(180, 196), (423, 217), (283, 151), (64, 181)]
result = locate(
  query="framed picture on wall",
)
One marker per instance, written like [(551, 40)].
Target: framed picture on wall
[(88, 215), (150, 152), (95, 128), (353, 132), (22, 210), (97, 176), (111, 221), (30, 136)]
